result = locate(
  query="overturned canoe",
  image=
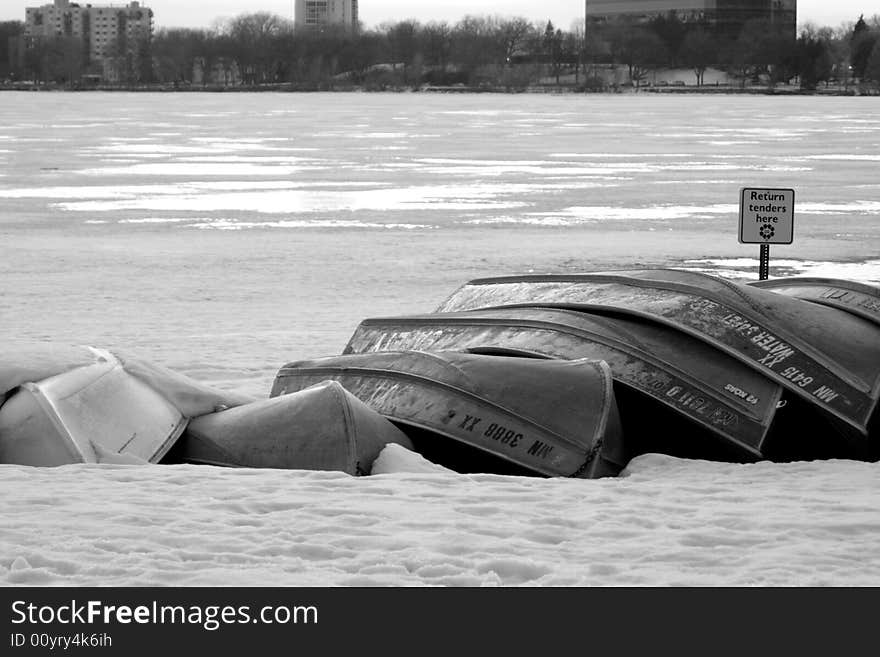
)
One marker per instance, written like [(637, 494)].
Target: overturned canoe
[(860, 299), (92, 411), (28, 362), (551, 418), (711, 390), (825, 357), (322, 427)]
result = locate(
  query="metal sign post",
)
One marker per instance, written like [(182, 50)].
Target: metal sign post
[(764, 264), (766, 216)]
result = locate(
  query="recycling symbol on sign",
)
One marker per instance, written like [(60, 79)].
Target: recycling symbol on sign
[(767, 232)]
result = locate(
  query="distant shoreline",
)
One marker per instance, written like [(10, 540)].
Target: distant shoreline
[(782, 90)]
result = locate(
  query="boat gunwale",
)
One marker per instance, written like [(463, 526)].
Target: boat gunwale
[(683, 288), (765, 420), (809, 281), (854, 309)]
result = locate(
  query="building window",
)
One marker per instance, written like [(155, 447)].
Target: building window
[(316, 12)]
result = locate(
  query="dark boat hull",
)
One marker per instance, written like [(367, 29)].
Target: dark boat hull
[(708, 388), (547, 418), (857, 298), (319, 428), (796, 344)]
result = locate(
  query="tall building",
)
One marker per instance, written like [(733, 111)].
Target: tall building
[(322, 13), (727, 16), (104, 31)]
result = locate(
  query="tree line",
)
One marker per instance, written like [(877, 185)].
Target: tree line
[(260, 48)]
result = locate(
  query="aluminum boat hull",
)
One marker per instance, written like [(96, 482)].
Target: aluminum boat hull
[(89, 413), (541, 417), (826, 358), (712, 391), (860, 299), (322, 427)]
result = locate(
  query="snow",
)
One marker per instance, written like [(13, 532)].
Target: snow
[(865, 272), (664, 522), (228, 241)]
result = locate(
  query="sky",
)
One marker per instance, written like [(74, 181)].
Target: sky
[(202, 13)]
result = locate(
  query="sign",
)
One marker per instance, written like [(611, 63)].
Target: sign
[(766, 216)]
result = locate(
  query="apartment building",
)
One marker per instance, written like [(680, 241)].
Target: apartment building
[(727, 16), (104, 31), (323, 13)]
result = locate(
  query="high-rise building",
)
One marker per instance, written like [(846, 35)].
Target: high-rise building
[(323, 13), (104, 30), (727, 16)]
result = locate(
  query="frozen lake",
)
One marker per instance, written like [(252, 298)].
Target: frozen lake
[(223, 235)]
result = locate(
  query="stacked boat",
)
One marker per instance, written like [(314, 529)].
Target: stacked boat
[(482, 413), (554, 376), (850, 296), (702, 367)]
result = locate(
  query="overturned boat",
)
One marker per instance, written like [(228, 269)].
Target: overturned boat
[(82, 406), (62, 404), (826, 358), (479, 413), (860, 299), (322, 427), (709, 404)]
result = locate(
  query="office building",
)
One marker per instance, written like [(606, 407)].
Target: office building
[(316, 14), (727, 17)]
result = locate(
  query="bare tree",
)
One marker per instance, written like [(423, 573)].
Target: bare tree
[(436, 44), (872, 68), (512, 36), (576, 44), (64, 60), (176, 52), (552, 46), (862, 42), (256, 38), (404, 42), (10, 32), (472, 47), (815, 62), (759, 48), (698, 51), (640, 49)]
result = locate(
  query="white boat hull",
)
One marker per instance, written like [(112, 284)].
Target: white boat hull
[(93, 413)]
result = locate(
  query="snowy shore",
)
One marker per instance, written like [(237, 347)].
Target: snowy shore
[(666, 522)]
